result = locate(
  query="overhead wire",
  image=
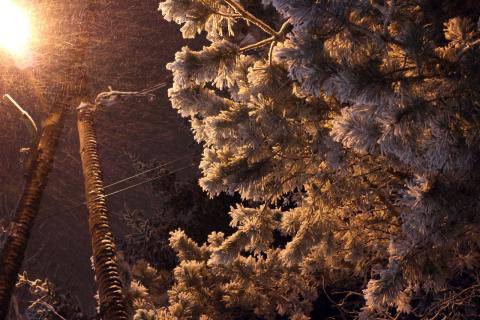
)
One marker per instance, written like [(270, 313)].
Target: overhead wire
[(149, 170), (78, 205), (163, 165), (144, 182)]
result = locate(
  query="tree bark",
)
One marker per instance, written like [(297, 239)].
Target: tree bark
[(112, 300), (36, 180)]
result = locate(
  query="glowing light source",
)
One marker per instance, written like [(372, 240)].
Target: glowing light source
[(15, 29)]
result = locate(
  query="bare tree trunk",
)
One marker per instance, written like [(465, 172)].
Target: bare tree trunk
[(112, 300), (14, 250)]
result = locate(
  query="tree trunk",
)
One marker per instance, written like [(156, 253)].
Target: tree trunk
[(112, 301), (22, 224)]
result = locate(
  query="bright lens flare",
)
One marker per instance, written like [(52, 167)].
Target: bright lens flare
[(15, 29)]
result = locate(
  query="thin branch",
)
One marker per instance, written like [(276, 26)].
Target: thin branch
[(113, 97), (49, 307), (31, 123), (387, 13), (393, 4), (250, 17), (257, 44), (228, 15), (468, 47), (270, 52), (279, 37), (272, 41), (381, 196)]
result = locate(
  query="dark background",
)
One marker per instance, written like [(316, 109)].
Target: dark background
[(127, 46)]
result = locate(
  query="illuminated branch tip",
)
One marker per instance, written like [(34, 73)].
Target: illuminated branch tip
[(25, 115)]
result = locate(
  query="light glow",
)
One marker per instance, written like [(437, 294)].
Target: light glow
[(15, 29)]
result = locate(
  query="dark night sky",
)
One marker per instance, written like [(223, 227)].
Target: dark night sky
[(128, 49)]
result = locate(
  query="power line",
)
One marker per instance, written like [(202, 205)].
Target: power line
[(149, 170), (142, 173), (146, 181), (119, 191)]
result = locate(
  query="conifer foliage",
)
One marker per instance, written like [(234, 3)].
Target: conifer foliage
[(351, 129)]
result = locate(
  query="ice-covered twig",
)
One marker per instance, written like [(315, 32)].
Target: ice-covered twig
[(85, 105), (31, 123), (250, 17), (112, 97)]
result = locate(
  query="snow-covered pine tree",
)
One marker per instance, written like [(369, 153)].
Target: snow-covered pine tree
[(352, 128)]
